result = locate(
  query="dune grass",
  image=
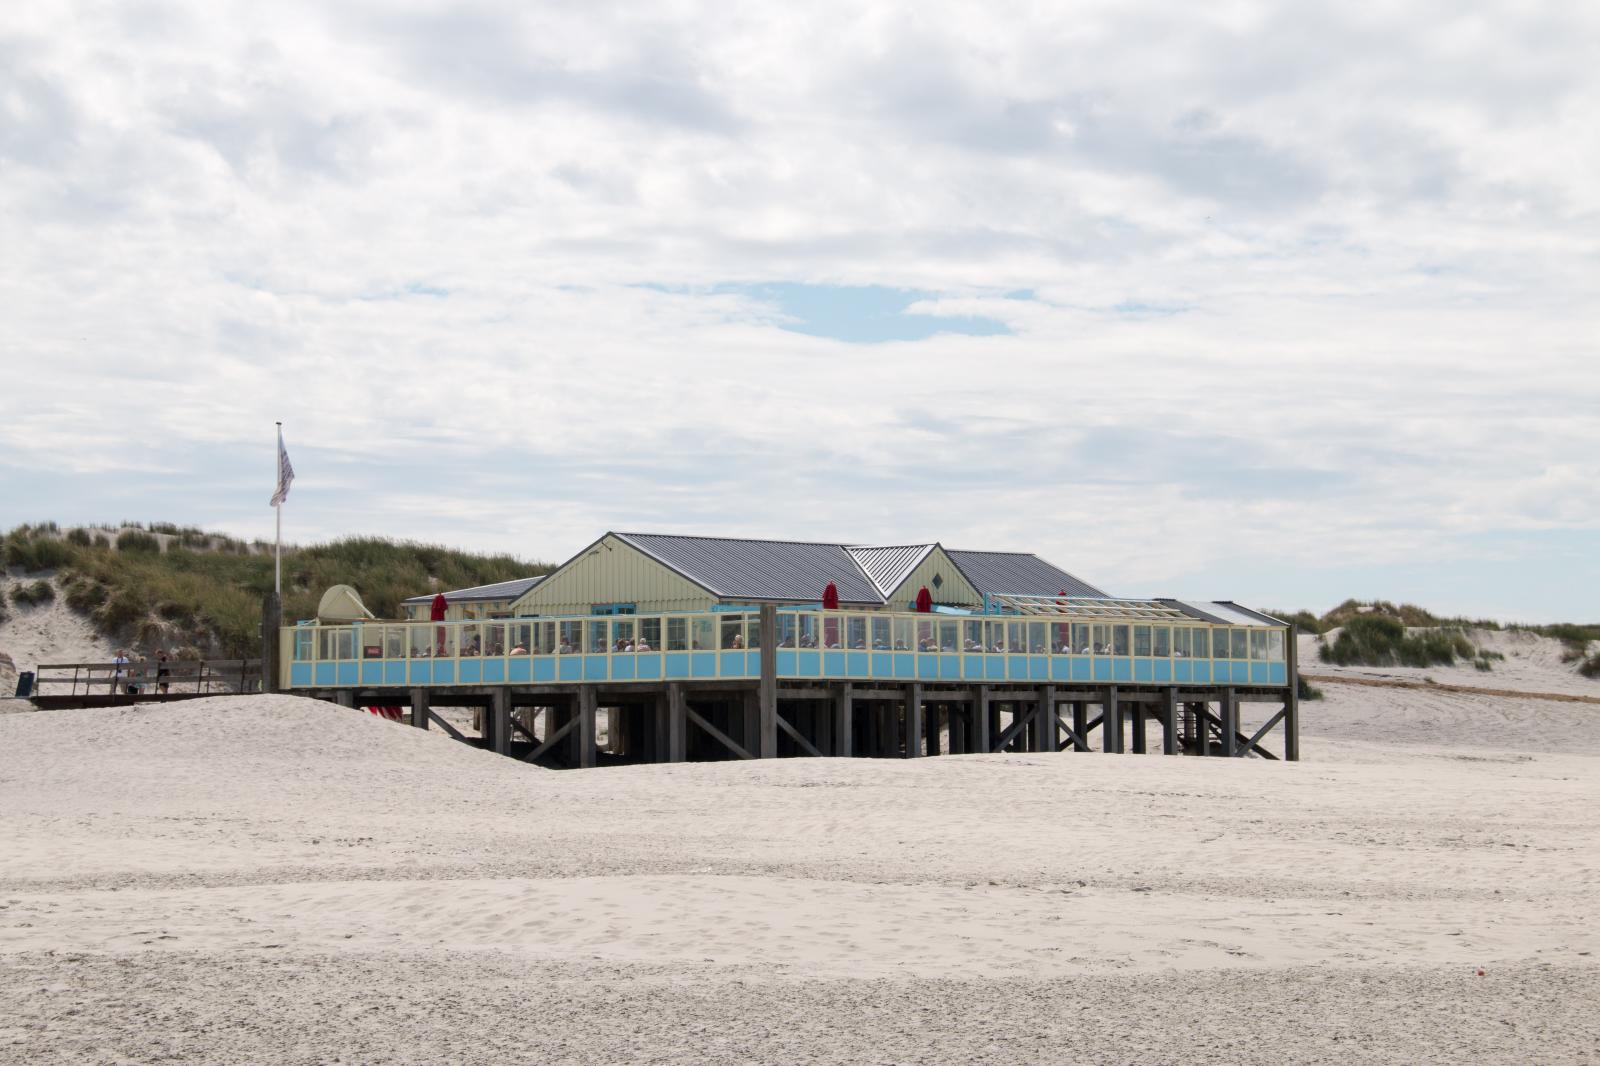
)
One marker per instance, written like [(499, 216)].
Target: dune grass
[(1376, 640), (206, 590)]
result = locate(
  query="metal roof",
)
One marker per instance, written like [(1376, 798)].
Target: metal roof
[(1222, 612), (740, 569), (500, 590), (1019, 574), (1083, 607), (889, 566)]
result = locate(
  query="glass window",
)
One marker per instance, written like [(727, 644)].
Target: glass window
[(494, 639), (1119, 640), (1163, 642), (571, 638), (421, 641), (1141, 640), (947, 636), (329, 648), (622, 636), (597, 643), (1258, 645), (902, 634), (808, 630), (1038, 637), (925, 640), (1275, 645), (1241, 640), (304, 646), (347, 644), (972, 638), (1102, 639), (702, 633), (1200, 643), (677, 634), (856, 633), (1080, 638), (1221, 643), (997, 636), (521, 636), (1017, 637), (788, 630), (880, 634), (752, 631), (471, 640), (1061, 639), (394, 642), (649, 634), (832, 631), (732, 633), (1180, 642), (444, 642)]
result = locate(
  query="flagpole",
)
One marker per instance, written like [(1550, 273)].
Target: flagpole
[(277, 554)]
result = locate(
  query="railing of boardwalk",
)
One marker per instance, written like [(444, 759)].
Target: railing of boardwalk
[(1019, 639)]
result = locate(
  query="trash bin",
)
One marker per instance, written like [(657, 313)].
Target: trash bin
[(25, 684)]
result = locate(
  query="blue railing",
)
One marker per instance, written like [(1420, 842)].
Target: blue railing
[(811, 644)]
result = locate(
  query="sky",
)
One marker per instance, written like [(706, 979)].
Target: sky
[(1280, 303)]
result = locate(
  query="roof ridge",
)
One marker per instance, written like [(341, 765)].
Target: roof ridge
[(747, 540)]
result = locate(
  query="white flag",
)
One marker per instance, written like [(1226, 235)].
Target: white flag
[(285, 473)]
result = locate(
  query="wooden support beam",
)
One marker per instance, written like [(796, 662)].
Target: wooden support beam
[(980, 722), (716, 734), (1230, 723), (1291, 699), (1169, 722), (913, 698), (419, 708), (1075, 740), (958, 727), (783, 724), (518, 727), (1251, 744), (1019, 722), (677, 724), (446, 726), (843, 720), (1110, 721), (552, 738), (1080, 724), (586, 733), (345, 697), (767, 745), (498, 722), (1140, 736), (1049, 720), (930, 720)]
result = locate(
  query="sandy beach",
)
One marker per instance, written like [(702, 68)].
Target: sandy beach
[(270, 879)]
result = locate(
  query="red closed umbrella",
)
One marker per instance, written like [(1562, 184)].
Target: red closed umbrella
[(830, 597), (924, 601), (436, 614)]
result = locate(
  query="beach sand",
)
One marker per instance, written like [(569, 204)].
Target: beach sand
[(272, 880)]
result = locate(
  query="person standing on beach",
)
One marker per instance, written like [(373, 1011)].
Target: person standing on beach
[(162, 672), (119, 671)]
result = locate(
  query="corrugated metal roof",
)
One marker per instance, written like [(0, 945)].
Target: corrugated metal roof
[(888, 566), (500, 590), (739, 569), (1018, 573)]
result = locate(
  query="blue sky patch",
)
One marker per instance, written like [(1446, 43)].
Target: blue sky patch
[(857, 314)]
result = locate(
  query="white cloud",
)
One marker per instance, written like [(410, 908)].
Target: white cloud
[(1309, 285)]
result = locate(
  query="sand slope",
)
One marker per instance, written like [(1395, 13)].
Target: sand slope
[(270, 879)]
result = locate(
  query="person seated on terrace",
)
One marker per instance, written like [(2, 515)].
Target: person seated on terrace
[(786, 642), (808, 642), (519, 650), (643, 645), (998, 648), (737, 643), (900, 645), (859, 645), (566, 647)]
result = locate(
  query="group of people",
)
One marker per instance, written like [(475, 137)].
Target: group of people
[(127, 677)]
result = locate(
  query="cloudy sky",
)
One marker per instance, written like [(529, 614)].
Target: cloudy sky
[(1268, 303)]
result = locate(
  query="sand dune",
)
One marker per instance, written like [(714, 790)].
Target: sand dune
[(271, 879)]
